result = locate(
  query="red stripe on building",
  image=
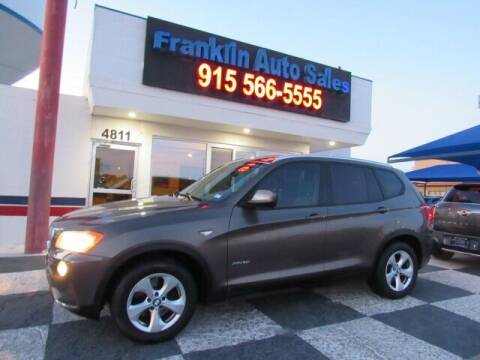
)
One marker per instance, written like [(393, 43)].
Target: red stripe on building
[(60, 210), (12, 210)]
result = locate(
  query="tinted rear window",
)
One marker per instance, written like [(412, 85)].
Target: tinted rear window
[(464, 194), (391, 185), (353, 184)]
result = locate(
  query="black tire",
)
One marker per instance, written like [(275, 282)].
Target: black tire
[(442, 254), (380, 283), (119, 298)]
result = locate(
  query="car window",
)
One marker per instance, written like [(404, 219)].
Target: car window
[(391, 185), (464, 194), (353, 184), (431, 200), (226, 179), (296, 184)]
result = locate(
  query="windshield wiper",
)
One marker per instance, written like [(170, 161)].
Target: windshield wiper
[(189, 196)]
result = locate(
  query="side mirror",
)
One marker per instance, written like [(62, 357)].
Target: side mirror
[(263, 197)]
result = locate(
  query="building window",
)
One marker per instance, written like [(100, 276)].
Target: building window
[(176, 164), (247, 154), (220, 156)]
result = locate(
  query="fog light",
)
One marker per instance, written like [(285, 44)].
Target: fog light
[(62, 268)]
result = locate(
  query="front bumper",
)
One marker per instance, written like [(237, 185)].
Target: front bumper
[(79, 290)]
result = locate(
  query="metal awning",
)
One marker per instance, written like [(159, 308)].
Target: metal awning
[(462, 147), (21, 24), (446, 173)]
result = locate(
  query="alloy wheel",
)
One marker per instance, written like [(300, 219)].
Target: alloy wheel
[(399, 270), (156, 302)]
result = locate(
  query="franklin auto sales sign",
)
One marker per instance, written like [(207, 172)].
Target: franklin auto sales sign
[(192, 61)]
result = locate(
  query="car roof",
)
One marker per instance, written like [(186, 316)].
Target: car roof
[(334, 158)]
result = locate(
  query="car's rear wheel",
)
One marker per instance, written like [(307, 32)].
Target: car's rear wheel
[(154, 301), (396, 271), (442, 254)]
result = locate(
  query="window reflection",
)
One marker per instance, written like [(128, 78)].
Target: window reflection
[(220, 156), (175, 165), (102, 198), (245, 154), (113, 168)]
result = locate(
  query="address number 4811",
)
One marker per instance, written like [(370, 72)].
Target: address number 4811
[(113, 134)]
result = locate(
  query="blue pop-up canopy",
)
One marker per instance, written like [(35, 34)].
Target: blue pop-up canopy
[(462, 147), (447, 173)]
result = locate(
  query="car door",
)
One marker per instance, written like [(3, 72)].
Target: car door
[(272, 242), (356, 217)]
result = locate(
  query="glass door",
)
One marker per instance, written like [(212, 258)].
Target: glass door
[(113, 173)]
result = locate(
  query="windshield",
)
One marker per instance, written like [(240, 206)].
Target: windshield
[(226, 179)]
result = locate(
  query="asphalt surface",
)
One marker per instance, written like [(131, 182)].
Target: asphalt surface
[(343, 320)]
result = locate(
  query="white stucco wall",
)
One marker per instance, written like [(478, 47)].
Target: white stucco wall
[(72, 154)]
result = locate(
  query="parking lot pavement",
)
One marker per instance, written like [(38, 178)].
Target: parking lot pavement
[(440, 320)]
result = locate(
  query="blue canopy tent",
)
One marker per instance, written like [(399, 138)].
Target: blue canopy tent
[(446, 173), (462, 147)]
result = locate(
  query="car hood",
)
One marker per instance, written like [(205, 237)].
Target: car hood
[(122, 210)]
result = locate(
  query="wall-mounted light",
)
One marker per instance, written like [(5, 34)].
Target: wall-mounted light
[(332, 143), (132, 114), (246, 130), (190, 155)]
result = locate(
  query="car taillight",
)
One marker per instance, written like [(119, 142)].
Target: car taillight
[(429, 213)]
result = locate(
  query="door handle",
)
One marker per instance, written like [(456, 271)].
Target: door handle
[(464, 212), (382, 209)]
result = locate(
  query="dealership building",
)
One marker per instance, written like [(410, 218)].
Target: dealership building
[(163, 105)]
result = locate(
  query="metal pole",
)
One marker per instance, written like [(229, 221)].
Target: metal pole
[(45, 126)]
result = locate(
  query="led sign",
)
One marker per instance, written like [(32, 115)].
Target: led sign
[(183, 59)]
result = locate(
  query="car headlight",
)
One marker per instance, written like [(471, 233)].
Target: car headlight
[(78, 241)]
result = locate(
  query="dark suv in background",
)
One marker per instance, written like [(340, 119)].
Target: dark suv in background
[(457, 222), (247, 223)]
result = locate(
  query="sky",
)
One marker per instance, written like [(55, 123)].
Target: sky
[(422, 56)]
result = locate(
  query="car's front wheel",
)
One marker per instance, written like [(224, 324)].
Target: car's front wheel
[(154, 301), (396, 271)]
